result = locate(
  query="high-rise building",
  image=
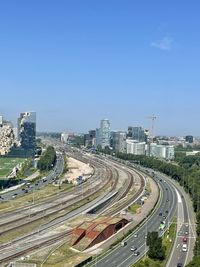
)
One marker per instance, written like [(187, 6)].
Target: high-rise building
[(189, 139), (27, 130), (6, 139), (105, 133), (89, 139), (119, 141), (137, 133), (98, 138)]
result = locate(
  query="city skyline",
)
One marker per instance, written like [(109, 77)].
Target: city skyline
[(76, 64)]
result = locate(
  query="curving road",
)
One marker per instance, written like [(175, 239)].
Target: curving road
[(57, 170), (123, 256), (185, 229)]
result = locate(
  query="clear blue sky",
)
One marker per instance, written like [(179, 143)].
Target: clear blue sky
[(75, 62)]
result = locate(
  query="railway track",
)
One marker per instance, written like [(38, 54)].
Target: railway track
[(74, 190), (110, 175), (114, 178), (129, 201), (42, 242)]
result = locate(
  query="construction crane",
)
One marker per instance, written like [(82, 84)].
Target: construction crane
[(152, 118)]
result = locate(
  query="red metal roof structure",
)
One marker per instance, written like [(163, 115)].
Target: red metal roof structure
[(90, 233)]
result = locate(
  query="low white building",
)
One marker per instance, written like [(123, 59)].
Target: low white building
[(134, 147), (161, 151)]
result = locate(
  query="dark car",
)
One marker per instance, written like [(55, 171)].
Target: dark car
[(160, 214), (179, 265)]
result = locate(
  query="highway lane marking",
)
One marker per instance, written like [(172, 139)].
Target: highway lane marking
[(122, 263), (143, 226), (175, 241)]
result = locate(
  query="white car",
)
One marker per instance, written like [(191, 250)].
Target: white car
[(133, 248), (184, 248)]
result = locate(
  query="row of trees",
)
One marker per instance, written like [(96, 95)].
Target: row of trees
[(186, 171), (47, 160)]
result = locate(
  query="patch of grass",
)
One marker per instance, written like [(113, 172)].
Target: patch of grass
[(64, 256), (41, 194), (7, 164), (61, 256), (133, 208)]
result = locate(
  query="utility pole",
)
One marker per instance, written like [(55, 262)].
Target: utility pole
[(152, 118)]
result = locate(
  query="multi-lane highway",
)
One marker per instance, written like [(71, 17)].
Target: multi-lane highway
[(171, 200), (183, 247), (123, 256), (57, 170)]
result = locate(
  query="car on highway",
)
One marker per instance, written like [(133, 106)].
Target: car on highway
[(136, 253), (184, 239), (184, 247), (133, 248), (123, 243), (179, 264)]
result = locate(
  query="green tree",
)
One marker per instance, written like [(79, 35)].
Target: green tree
[(156, 249)]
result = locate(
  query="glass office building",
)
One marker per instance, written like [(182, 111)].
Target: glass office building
[(27, 130)]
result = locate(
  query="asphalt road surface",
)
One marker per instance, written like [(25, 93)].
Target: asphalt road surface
[(123, 256), (58, 169)]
